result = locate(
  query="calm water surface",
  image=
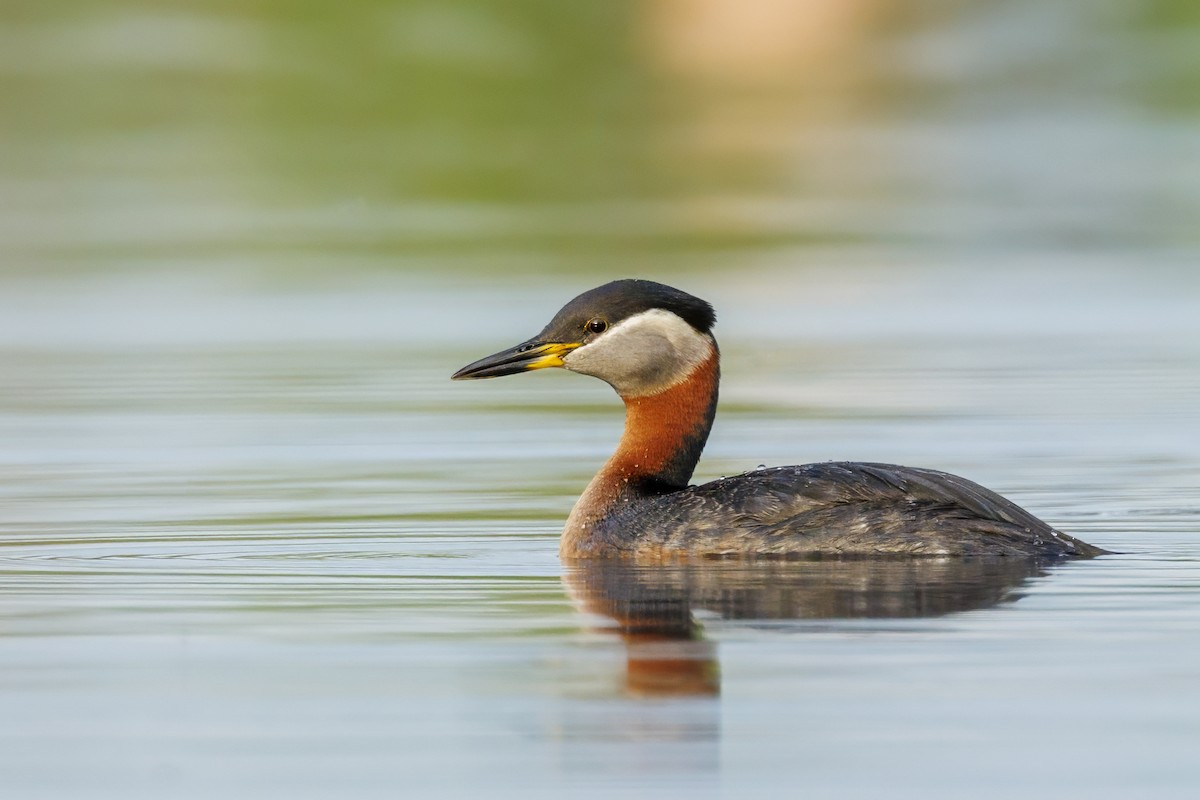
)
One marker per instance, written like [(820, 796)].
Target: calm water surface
[(258, 543)]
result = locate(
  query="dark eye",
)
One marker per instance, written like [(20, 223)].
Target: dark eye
[(596, 326)]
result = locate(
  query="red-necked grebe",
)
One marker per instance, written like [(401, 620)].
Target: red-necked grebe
[(654, 345)]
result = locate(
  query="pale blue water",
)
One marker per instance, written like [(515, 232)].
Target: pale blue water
[(258, 559)]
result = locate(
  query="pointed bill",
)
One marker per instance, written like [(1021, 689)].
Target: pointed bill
[(522, 358)]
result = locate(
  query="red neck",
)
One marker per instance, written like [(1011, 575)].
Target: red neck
[(664, 435), (665, 432)]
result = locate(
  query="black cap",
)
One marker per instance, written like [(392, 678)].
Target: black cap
[(619, 300)]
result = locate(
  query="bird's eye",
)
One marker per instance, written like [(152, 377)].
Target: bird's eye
[(596, 326)]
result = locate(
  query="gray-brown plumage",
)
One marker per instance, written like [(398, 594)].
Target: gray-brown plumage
[(831, 509), (654, 345)]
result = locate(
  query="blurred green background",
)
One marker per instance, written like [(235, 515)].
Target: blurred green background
[(473, 137)]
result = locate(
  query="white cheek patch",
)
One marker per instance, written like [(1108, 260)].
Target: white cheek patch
[(643, 355)]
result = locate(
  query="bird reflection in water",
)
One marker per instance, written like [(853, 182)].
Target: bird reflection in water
[(654, 607)]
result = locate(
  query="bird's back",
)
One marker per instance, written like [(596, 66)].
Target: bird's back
[(832, 509)]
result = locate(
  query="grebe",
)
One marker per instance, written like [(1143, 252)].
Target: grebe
[(654, 345)]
